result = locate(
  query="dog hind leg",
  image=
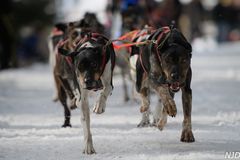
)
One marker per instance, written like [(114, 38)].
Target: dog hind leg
[(63, 99), (106, 80), (69, 90), (56, 89), (126, 96)]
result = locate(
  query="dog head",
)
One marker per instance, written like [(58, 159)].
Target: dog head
[(88, 64), (175, 59), (91, 23)]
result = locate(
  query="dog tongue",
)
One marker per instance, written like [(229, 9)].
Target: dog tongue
[(175, 85)]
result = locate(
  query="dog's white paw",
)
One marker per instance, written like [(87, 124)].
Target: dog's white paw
[(99, 107), (55, 98), (89, 149)]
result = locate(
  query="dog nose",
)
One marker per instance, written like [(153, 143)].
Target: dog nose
[(174, 76)]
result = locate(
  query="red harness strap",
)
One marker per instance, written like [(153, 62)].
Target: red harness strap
[(57, 32), (140, 58), (165, 30), (104, 59)]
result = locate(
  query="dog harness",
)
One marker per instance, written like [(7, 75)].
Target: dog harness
[(158, 39), (84, 43), (160, 35)]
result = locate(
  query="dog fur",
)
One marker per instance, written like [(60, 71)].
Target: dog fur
[(164, 66), (93, 63)]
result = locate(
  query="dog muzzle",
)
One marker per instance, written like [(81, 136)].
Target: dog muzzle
[(93, 85), (174, 86)]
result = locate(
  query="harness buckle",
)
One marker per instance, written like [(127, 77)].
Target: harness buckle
[(154, 41)]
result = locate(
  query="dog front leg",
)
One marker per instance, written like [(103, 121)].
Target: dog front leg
[(167, 100), (106, 80), (145, 110), (85, 120), (187, 135), (160, 116)]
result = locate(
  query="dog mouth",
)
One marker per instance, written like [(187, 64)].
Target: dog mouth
[(94, 85), (174, 87)]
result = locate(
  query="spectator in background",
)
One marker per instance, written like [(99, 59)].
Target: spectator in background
[(7, 38), (223, 14), (165, 13), (234, 34), (29, 50), (133, 15), (196, 13)]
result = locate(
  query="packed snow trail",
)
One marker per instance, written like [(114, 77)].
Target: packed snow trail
[(30, 122)]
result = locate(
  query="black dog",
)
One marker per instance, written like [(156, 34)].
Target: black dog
[(93, 63), (164, 66)]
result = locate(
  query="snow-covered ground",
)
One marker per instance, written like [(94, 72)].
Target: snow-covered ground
[(30, 122)]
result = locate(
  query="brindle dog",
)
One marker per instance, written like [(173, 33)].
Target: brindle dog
[(66, 36), (164, 66)]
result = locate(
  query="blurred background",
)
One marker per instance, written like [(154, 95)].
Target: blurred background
[(30, 121), (26, 24)]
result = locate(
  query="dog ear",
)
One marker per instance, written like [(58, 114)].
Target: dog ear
[(63, 51), (83, 24), (66, 52), (183, 41), (176, 37), (61, 26)]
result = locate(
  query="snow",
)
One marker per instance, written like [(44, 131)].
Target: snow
[(30, 122)]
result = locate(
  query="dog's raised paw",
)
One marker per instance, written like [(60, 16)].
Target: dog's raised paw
[(187, 136), (99, 107), (73, 104), (171, 108)]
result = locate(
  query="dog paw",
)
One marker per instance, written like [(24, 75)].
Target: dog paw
[(89, 149), (170, 108), (187, 136), (65, 125), (144, 124), (73, 104), (55, 99), (126, 99), (143, 109), (99, 107), (161, 124)]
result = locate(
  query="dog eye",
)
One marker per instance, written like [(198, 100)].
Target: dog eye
[(183, 60), (80, 67), (93, 64), (168, 60)]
